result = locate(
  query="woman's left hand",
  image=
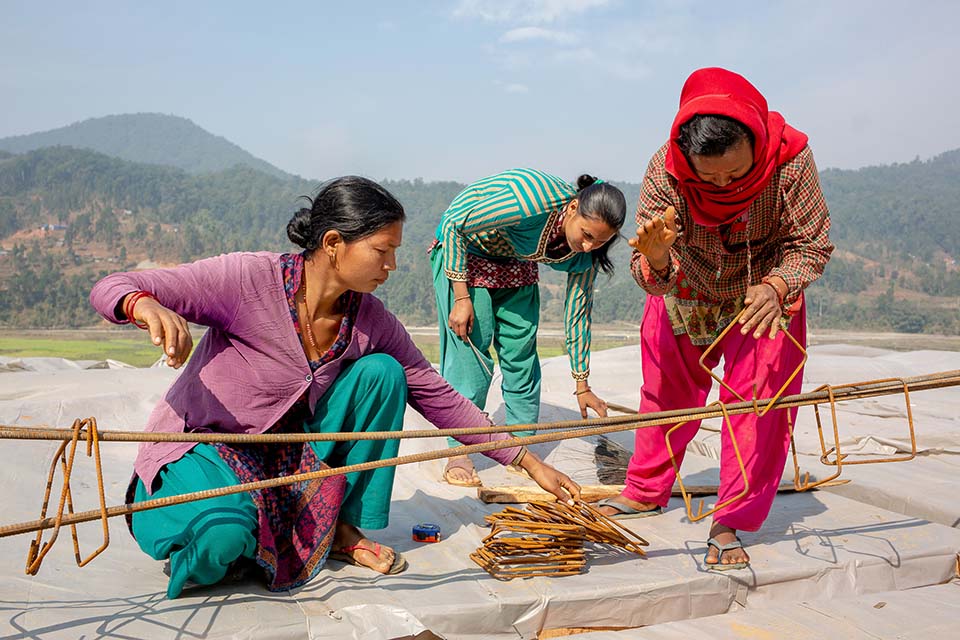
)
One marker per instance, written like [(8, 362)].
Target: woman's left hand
[(762, 311), (559, 484), (590, 400)]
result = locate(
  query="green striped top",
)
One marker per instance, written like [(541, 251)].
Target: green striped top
[(510, 215)]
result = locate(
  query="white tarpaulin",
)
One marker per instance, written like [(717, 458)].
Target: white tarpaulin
[(815, 547)]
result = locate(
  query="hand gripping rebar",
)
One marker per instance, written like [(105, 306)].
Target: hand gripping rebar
[(760, 413)]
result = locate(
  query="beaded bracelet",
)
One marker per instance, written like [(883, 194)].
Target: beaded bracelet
[(662, 273), (131, 303)]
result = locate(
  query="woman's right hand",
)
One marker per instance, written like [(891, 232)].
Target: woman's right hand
[(549, 479), (656, 236), (167, 329), (460, 319)]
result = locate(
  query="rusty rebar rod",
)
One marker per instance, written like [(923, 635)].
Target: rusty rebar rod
[(853, 391)]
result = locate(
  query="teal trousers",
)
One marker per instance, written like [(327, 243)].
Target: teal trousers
[(505, 320), (202, 539)]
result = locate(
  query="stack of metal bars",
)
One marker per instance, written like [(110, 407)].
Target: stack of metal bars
[(547, 539)]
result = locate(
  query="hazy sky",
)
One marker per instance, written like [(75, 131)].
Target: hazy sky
[(459, 89)]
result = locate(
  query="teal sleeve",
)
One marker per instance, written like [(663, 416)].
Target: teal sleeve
[(578, 306)]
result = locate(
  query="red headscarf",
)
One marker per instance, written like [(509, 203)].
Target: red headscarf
[(716, 91)]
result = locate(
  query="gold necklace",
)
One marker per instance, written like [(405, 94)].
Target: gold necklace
[(306, 323)]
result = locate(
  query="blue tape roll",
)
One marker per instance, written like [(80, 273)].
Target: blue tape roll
[(426, 532)]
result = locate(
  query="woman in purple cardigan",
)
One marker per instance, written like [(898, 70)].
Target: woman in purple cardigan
[(295, 342)]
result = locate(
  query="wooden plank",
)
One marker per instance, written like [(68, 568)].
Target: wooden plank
[(592, 493), (563, 632), (533, 493)]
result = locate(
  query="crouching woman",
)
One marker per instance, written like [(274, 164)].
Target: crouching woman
[(295, 343)]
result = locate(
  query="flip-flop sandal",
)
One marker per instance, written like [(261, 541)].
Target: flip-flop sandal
[(466, 465), (625, 511), (718, 565), (343, 555)]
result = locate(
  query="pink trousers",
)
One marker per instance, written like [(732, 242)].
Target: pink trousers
[(673, 379)]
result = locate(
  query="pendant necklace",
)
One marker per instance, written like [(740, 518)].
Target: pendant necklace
[(307, 322)]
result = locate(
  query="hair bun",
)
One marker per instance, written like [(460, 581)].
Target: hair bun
[(585, 181), (298, 229)]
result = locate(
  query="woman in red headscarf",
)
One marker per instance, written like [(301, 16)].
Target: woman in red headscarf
[(731, 219)]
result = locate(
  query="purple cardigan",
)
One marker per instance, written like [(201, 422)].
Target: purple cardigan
[(250, 367)]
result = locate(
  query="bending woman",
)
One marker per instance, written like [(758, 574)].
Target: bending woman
[(295, 343), (485, 259), (731, 218)]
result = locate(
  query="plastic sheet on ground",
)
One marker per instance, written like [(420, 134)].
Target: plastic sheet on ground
[(817, 547), (916, 614), (8, 364)]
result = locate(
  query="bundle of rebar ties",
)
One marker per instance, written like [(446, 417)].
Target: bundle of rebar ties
[(547, 539)]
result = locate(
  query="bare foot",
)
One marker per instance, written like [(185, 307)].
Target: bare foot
[(724, 535), (350, 545), (639, 506), (461, 472)]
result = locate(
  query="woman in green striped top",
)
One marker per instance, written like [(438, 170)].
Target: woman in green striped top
[(484, 259)]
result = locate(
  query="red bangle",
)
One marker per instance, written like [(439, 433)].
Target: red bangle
[(767, 280), (131, 303)]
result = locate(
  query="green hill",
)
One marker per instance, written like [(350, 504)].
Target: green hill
[(69, 215), (910, 209), (151, 138)]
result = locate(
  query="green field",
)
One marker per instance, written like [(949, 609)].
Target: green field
[(124, 346), (131, 345)]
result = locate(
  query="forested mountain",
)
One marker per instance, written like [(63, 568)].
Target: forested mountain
[(910, 209), (151, 138), (898, 247), (67, 216)]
